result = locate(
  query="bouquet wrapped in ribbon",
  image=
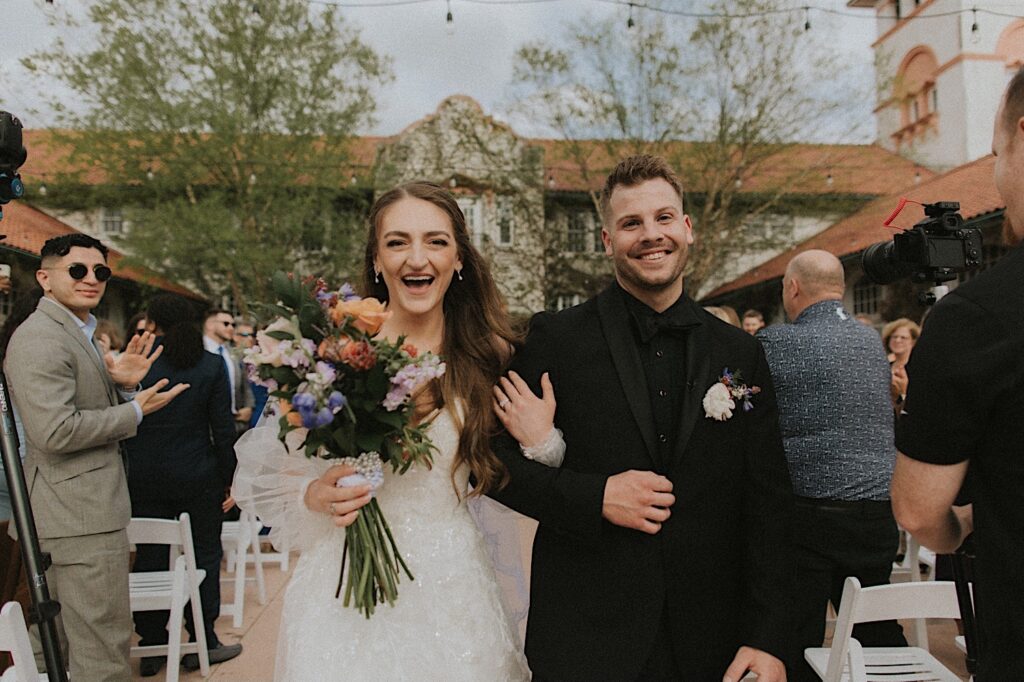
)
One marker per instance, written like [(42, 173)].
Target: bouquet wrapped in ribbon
[(354, 396)]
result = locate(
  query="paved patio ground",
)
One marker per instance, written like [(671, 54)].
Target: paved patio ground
[(258, 636)]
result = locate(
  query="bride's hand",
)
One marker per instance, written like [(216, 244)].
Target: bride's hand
[(342, 504), (528, 418)]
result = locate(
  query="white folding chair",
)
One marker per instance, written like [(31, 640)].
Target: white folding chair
[(910, 569), (170, 590), (241, 543), (847, 661), (14, 638)]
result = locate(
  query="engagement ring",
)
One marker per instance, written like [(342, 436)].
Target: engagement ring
[(331, 507), (504, 403)]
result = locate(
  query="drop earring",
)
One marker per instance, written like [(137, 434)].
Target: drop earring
[(376, 276), (459, 273)]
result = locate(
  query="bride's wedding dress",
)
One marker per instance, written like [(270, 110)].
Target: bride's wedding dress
[(447, 624)]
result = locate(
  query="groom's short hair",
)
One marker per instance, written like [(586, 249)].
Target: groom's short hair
[(634, 170)]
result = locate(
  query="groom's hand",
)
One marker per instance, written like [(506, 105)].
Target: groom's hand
[(761, 663), (638, 500)]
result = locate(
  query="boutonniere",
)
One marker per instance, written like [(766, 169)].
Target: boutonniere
[(720, 400)]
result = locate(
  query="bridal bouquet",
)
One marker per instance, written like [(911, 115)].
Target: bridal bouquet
[(354, 396)]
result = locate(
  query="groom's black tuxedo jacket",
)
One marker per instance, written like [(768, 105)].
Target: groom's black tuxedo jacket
[(717, 571)]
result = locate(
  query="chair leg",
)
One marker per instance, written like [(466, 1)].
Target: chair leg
[(199, 625), (257, 561), (238, 607), (174, 624)]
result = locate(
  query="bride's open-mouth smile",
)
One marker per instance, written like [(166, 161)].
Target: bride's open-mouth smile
[(419, 283)]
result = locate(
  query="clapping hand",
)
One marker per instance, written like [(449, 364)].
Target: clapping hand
[(152, 398), (128, 369)]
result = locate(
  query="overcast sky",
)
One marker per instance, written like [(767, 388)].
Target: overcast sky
[(429, 62)]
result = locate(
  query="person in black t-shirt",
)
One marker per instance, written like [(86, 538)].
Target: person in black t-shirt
[(965, 407)]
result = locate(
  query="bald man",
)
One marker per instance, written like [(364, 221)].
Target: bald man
[(832, 382)]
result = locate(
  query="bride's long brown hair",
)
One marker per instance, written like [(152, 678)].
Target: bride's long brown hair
[(478, 336)]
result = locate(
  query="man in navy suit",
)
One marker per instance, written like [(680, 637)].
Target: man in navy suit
[(661, 551)]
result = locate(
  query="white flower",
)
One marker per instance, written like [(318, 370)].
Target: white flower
[(718, 402)]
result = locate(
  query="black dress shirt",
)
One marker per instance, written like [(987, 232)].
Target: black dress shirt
[(661, 341)]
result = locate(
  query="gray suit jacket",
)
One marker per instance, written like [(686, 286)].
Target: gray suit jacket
[(74, 421)]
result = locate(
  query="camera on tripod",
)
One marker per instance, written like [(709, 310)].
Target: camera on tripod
[(12, 156), (935, 250)]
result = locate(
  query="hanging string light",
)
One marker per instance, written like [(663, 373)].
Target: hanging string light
[(807, 18), (449, 20), (630, 24), (975, 33)]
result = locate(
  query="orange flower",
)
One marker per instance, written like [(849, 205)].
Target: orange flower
[(368, 314), (293, 417), (358, 355), (410, 349), (330, 348)]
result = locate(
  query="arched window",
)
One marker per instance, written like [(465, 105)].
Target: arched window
[(916, 94), (1011, 45)]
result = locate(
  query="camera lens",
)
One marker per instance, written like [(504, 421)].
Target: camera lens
[(881, 264)]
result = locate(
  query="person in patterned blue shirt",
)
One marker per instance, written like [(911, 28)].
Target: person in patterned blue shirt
[(832, 381)]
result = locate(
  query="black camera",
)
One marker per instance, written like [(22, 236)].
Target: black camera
[(12, 156), (934, 250)]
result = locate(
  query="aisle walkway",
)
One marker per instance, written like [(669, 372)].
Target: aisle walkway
[(258, 635)]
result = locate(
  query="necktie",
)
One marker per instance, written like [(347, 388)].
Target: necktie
[(229, 366)]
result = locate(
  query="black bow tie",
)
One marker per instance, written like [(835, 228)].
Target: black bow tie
[(649, 325)]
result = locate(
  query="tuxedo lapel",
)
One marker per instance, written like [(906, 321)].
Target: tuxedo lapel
[(698, 378), (618, 335)]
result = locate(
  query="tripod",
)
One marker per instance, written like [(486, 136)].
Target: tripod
[(44, 610)]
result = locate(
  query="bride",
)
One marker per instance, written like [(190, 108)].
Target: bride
[(449, 623)]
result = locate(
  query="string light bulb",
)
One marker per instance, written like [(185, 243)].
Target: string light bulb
[(807, 18), (353, 180), (829, 180), (149, 174), (449, 20), (252, 178), (42, 189), (630, 24), (452, 183), (975, 33), (917, 177)]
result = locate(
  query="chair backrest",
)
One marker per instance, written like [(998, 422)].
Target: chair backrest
[(176, 534), (932, 599), (14, 638)]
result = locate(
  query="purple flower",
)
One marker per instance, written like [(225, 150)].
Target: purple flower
[(304, 402), (347, 293), (411, 378), (324, 417), (336, 401)]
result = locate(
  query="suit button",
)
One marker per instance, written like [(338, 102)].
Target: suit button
[(658, 354), (662, 437), (663, 393)]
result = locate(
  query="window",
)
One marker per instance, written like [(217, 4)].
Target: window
[(504, 207), (471, 209), (866, 296), (112, 221), (566, 301), (916, 94), (915, 112), (583, 232)]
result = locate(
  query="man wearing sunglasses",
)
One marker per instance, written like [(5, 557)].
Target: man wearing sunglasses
[(77, 406)]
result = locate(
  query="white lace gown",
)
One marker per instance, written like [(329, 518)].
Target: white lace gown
[(447, 624)]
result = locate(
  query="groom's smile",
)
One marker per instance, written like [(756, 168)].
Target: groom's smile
[(647, 234)]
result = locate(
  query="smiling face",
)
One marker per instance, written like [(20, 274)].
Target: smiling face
[(416, 255), (648, 236), (901, 342), (81, 295)]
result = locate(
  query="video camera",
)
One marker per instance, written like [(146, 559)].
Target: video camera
[(934, 250), (12, 156)]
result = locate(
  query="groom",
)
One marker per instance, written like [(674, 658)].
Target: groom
[(661, 551)]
